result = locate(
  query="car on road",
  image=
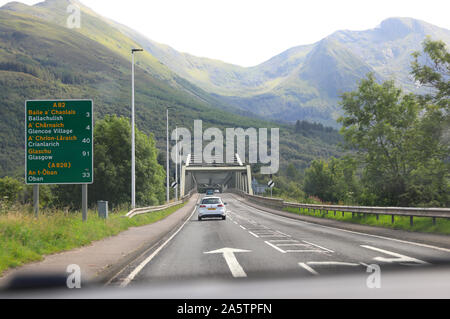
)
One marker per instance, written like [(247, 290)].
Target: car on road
[(212, 207), (210, 192)]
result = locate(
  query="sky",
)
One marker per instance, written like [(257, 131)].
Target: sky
[(249, 32)]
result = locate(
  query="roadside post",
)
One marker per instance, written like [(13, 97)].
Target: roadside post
[(36, 200), (59, 145), (271, 185)]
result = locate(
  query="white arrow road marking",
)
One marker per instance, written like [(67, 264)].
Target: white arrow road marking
[(230, 258), (398, 258)]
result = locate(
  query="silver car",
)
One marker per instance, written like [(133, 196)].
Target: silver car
[(212, 207)]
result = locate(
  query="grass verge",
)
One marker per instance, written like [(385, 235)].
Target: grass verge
[(421, 224), (24, 239)]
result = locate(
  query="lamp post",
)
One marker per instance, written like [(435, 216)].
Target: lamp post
[(133, 148), (176, 163), (167, 157)]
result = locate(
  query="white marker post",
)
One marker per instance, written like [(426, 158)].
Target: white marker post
[(271, 184)]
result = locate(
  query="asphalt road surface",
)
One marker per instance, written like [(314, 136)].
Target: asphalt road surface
[(253, 244)]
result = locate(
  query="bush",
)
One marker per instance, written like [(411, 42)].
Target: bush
[(10, 189)]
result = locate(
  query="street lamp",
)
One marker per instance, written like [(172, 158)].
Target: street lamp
[(133, 148), (176, 163), (167, 156)]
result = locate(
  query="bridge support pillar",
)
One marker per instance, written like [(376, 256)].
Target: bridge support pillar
[(249, 180), (183, 181)]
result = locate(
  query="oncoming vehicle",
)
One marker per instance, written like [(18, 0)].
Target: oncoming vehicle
[(212, 207), (210, 192)]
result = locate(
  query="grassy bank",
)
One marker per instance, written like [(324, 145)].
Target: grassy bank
[(421, 224), (25, 239)]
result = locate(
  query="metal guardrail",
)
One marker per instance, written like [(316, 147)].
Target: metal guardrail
[(322, 209), (139, 211)]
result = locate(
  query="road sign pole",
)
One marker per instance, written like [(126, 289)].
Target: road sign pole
[(84, 199), (36, 200)]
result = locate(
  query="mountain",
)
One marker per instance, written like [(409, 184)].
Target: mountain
[(305, 82), (40, 58)]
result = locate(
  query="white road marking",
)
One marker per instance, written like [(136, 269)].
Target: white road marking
[(398, 257), (253, 234), (230, 258), (283, 233), (292, 220), (329, 250), (274, 246), (272, 236), (331, 263), (256, 229), (277, 247), (305, 251), (284, 245), (243, 227), (284, 241), (305, 266), (141, 266)]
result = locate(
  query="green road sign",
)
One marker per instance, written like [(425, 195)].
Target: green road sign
[(59, 142)]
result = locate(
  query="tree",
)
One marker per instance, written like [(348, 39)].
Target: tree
[(333, 180), (393, 140), (318, 180), (432, 69), (113, 164), (112, 167), (434, 72)]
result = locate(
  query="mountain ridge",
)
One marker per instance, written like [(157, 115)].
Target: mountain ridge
[(273, 89), (40, 59)]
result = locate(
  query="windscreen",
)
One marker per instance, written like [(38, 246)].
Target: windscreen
[(210, 201)]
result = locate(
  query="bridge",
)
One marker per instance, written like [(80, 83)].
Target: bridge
[(201, 176)]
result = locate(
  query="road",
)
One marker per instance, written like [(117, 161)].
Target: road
[(255, 244)]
